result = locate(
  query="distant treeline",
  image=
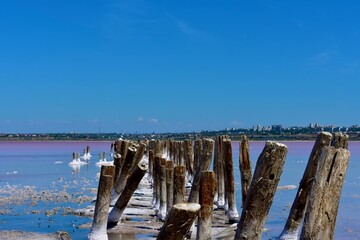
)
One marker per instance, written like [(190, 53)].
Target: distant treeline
[(288, 134)]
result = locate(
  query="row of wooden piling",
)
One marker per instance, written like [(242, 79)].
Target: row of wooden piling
[(317, 200), (176, 166), (117, 184)]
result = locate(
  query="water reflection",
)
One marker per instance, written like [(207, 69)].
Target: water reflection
[(75, 169)]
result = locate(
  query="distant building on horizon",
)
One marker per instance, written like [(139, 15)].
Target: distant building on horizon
[(276, 128)]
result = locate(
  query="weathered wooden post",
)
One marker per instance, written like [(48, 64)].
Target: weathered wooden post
[(151, 166), (323, 203), (179, 221), (167, 149), (297, 211), (181, 157), (204, 164), (120, 184), (138, 155), (206, 200), (340, 140), (189, 159), (125, 144), (215, 166), (220, 201), (131, 184), (245, 167), (232, 212), (169, 185), (151, 148), (179, 184), (158, 148), (163, 148), (152, 145), (198, 148), (177, 152), (262, 190), (153, 177), (172, 151), (107, 170), (117, 160), (157, 184), (169, 156), (98, 228), (162, 174)]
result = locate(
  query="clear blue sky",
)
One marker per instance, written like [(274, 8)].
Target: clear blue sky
[(143, 66)]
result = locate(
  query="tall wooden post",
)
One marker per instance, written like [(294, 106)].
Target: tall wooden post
[(151, 165), (297, 211), (215, 166), (120, 184), (340, 140), (206, 200), (158, 148), (232, 211), (107, 170), (132, 183), (157, 185), (123, 152), (173, 151), (98, 229), (198, 148), (162, 209), (177, 153), (179, 221), (152, 145), (220, 201), (169, 185), (163, 148), (181, 160), (151, 173), (245, 167), (117, 159), (262, 190), (179, 184), (138, 155), (189, 159), (322, 209), (167, 149), (204, 164)]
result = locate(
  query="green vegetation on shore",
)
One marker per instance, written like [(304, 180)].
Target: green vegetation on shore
[(257, 133)]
